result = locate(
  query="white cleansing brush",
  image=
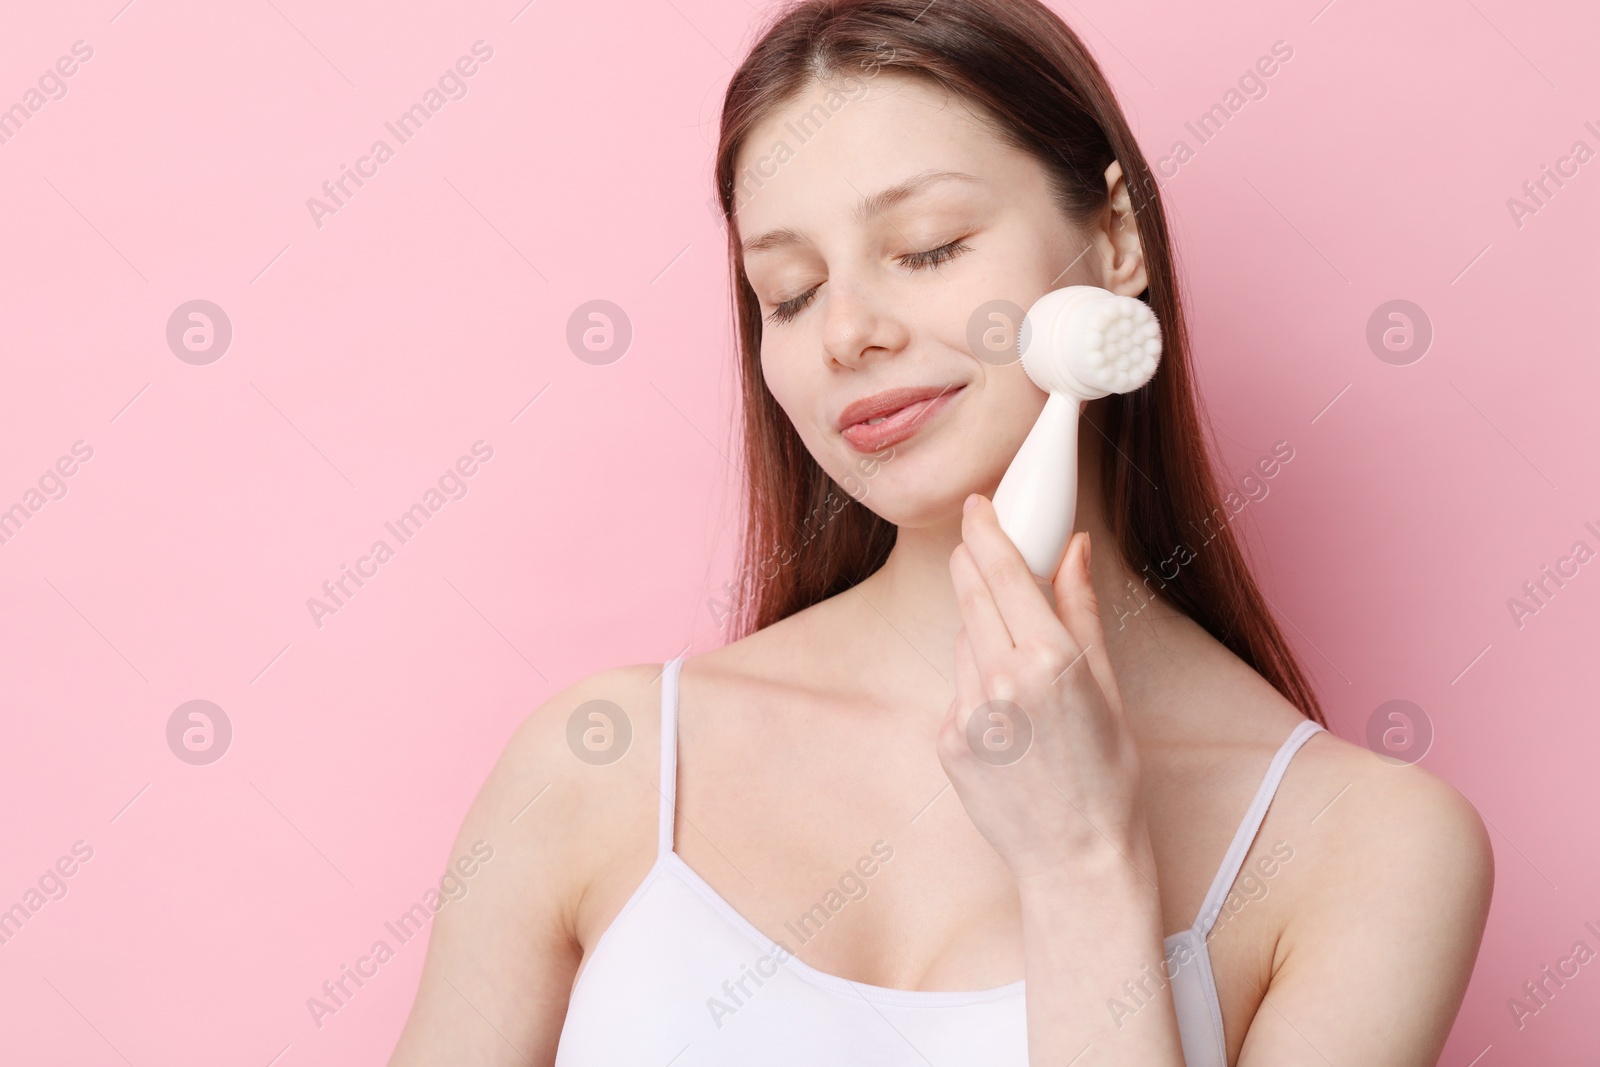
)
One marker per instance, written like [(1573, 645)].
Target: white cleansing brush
[(1077, 344)]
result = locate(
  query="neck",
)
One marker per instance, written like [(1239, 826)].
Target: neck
[(911, 612)]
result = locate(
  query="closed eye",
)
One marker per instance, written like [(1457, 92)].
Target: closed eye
[(934, 257), (787, 310)]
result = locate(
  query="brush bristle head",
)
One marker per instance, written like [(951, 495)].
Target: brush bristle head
[(1089, 342)]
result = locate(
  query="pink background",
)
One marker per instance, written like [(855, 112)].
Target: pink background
[(372, 352)]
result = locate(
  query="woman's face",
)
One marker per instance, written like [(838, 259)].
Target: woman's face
[(860, 301)]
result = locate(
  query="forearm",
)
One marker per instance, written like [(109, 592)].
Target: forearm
[(1088, 928)]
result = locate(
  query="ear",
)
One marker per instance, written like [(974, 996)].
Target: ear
[(1123, 257)]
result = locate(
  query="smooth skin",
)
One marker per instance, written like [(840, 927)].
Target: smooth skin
[(844, 724)]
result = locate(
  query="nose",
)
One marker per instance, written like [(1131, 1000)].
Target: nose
[(859, 323)]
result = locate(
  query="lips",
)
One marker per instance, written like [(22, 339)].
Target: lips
[(902, 412)]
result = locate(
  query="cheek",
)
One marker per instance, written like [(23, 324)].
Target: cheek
[(797, 392), (783, 379), (1016, 405)]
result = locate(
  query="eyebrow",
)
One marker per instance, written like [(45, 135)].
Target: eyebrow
[(869, 206)]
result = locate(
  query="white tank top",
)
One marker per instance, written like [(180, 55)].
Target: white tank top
[(681, 979)]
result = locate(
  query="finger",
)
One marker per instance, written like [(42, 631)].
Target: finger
[(1001, 723), (969, 689), (980, 617), (969, 676), (1078, 606), (953, 743), (969, 679), (1027, 613)]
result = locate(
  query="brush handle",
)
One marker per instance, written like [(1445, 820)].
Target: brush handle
[(1037, 499)]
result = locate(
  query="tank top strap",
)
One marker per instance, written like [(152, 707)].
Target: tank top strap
[(669, 754), (1246, 834)]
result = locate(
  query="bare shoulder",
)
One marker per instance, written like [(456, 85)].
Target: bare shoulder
[(1363, 827), (569, 802), (575, 786), (547, 815), (618, 706), (1379, 810), (1379, 917), (1363, 922), (1385, 843)]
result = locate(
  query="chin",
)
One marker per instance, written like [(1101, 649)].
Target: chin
[(915, 488)]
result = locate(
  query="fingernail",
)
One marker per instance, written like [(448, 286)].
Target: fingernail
[(1086, 547), (972, 502)]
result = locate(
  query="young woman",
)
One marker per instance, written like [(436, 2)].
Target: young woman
[(800, 857)]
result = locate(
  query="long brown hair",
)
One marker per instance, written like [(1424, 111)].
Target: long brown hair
[(805, 539)]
